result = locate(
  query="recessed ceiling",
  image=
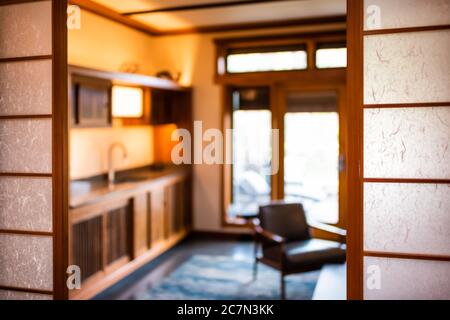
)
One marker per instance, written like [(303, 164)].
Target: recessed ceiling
[(178, 15), (123, 6)]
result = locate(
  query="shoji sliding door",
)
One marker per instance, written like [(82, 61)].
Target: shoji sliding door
[(33, 190), (405, 149)]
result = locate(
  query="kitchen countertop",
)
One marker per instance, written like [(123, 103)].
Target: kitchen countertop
[(97, 189)]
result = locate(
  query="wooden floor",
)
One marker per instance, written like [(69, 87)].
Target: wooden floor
[(152, 273)]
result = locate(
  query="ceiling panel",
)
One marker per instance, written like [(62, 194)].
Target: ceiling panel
[(274, 11), (141, 5)]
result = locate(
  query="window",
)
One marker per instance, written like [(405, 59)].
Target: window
[(252, 122), (331, 56), (311, 153), (282, 99), (286, 59)]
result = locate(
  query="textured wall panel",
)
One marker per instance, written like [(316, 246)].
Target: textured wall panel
[(26, 203), (26, 146), (407, 67), (18, 295), (25, 29), (407, 143), (414, 13), (407, 218), (407, 279), (26, 261), (26, 87)]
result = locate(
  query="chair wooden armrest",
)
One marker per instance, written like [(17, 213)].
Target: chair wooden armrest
[(269, 236), (264, 234), (332, 231)]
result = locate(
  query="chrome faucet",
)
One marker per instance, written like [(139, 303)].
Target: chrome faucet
[(111, 171)]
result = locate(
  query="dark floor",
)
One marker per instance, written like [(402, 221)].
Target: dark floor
[(155, 271)]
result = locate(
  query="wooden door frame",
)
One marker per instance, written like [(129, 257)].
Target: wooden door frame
[(302, 82), (355, 10), (60, 149), (281, 90)]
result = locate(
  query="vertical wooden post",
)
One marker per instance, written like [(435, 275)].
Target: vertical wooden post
[(355, 281), (60, 149)]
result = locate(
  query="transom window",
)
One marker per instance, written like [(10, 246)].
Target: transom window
[(331, 56), (294, 58), (242, 57)]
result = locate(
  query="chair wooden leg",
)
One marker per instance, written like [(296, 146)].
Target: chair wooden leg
[(255, 270), (282, 287), (255, 265)]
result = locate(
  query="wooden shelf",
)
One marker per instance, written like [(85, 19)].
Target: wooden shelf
[(128, 78)]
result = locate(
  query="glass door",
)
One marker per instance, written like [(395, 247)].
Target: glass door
[(311, 153)]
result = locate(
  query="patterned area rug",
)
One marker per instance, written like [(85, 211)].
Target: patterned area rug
[(224, 278)]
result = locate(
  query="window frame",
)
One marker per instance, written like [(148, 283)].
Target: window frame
[(303, 41), (277, 81)]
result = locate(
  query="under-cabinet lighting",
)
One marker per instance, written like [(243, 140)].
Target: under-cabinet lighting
[(127, 102)]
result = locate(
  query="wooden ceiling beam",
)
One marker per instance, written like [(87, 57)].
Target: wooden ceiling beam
[(202, 6), (258, 25), (108, 13)]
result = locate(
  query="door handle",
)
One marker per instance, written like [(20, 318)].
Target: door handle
[(341, 165)]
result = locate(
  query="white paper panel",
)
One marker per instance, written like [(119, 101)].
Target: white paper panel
[(26, 87), (26, 29), (406, 279), (414, 13), (407, 218), (407, 67), (26, 146), (26, 261), (26, 203), (407, 143), (19, 295)]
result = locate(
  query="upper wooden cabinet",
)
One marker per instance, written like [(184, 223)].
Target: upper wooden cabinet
[(90, 101), (169, 106), (90, 94)]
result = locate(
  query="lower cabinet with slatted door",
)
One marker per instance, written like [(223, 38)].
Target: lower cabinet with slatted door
[(115, 236)]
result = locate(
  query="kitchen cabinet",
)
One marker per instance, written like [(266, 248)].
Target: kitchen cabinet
[(100, 239), (90, 101), (158, 219), (162, 106), (169, 106), (90, 98), (141, 224), (176, 202), (114, 235)]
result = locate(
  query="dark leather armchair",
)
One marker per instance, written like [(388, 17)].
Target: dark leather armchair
[(284, 236)]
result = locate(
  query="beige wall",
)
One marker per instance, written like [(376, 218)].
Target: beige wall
[(104, 44), (193, 56), (89, 148)]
